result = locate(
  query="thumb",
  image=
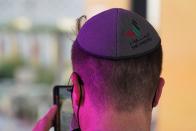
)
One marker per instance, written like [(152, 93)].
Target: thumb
[(50, 115), (45, 123)]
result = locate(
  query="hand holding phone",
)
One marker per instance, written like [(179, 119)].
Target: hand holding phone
[(62, 98)]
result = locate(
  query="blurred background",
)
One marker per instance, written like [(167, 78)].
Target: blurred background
[(35, 43)]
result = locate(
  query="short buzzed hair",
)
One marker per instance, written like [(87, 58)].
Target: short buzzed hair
[(123, 84)]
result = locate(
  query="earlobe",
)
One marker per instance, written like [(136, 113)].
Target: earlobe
[(158, 92)]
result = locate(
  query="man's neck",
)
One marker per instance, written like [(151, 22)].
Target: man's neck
[(137, 120)]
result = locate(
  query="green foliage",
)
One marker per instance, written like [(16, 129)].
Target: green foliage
[(9, 66), (45, 75)]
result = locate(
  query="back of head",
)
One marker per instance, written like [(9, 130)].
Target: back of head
[(118, 56)]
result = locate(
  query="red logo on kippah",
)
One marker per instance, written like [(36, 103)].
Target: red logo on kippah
[(130, 34), (134, 32)]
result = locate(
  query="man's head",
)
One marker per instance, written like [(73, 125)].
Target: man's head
[(124, 76)]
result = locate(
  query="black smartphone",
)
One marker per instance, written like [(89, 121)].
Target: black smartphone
[(62, 98)]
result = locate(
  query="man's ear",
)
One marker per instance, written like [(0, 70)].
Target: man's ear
[(76, 95), (158, 92)]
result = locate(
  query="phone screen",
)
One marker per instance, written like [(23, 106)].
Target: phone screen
[(65, 108)]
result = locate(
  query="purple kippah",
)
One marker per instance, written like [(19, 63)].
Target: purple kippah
[(117, 34)]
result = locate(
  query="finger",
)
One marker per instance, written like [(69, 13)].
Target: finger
[(49, 117), (45, 123)]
